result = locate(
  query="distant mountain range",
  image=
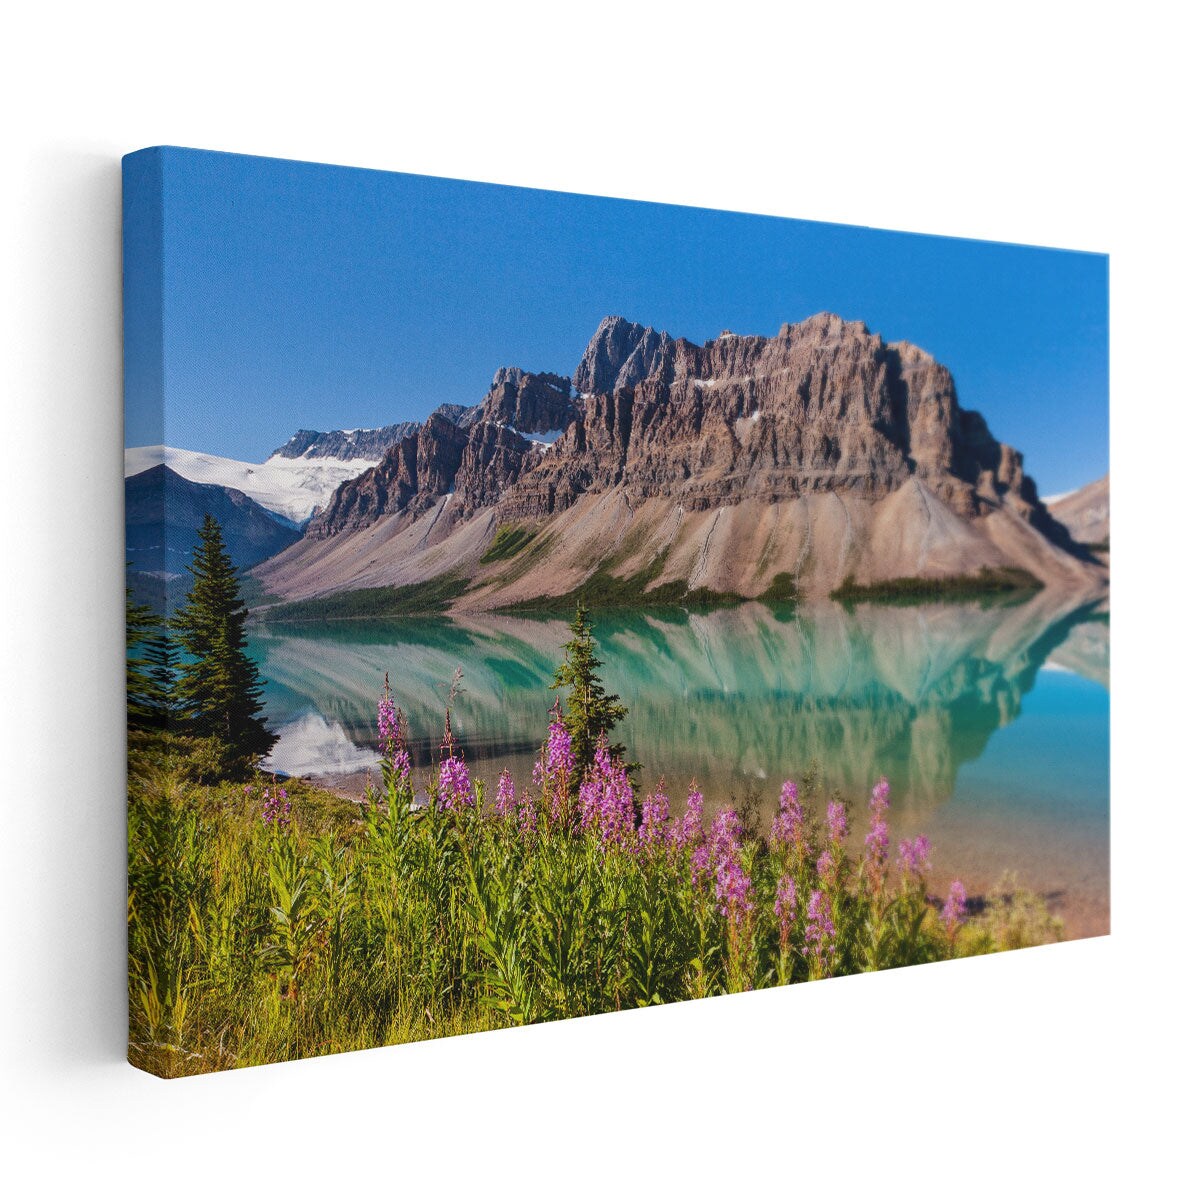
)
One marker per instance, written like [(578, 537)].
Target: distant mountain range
[(747, 466), (162, 514), (292, 488)]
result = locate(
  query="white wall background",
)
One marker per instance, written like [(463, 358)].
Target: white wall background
[(1058, 1071)]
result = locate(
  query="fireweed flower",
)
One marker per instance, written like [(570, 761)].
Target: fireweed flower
[(914, 855), (606, 797), (835, 818), (656, 809), (527, 814), (955, 907), (719, 859), (560, 758), (552, 771), (826, 869), (454, 786), (401, 766), (819, 935), (787, 828), (277, 808), (390, 722), (877, 836), (506, 801), (785, 907), (881, 795), (688, 830)]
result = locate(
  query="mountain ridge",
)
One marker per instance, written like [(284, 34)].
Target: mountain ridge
[(819, 455)]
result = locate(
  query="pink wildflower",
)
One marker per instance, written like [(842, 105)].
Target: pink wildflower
[(955, 908), (527, 814), (785, 907), (606, 797), (454, 790), (877, 840), (826, 869), (688, 831), (835, 818), (506, 803), (719, 859), (277, 808), (786, 829), (914, 855), (819, 935), (656, 809)]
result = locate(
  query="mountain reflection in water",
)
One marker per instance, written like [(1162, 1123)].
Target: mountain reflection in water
[(735, 698)]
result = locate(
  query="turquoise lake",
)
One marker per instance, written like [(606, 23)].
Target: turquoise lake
[(990, 720)]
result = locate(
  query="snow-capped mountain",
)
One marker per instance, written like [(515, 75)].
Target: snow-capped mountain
[(291, 488)]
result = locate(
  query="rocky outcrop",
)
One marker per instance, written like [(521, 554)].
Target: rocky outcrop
[(826, 406), (815, 456), (529, 403), (474, 455), (416, 471)]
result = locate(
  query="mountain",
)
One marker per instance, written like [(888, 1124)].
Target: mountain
[(291, 488), (163, 511), (1084, 513), (344, 445), (362, 445), (746, 465), (476, 459)]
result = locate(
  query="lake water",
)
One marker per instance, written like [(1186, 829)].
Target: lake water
[(991, 721)]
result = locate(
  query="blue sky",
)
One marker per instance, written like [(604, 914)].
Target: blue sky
[(297, 295)]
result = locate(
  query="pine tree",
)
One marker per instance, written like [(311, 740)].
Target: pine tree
[(218, 688), (140, 626), (162, 672), (591, 711)]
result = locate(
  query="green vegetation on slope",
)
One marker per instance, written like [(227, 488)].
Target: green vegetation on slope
[(509, 541), (414, 599), (602, 589), (987, 581), (780, 590)]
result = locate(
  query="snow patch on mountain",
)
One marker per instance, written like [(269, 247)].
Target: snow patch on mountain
[(290, 488)]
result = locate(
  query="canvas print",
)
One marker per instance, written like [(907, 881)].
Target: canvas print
[(542, 605)]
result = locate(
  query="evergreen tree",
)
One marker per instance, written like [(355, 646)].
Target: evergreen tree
[(140, 626), (591, 711), (162, 672), (219, 689)]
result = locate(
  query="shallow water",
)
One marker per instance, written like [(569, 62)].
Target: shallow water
[(991, 721)]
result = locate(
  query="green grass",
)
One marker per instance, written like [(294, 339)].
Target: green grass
[(360, 926), (509, 541), (416, 599), (987, 581)]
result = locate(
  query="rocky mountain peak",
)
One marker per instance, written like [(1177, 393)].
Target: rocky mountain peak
[(345, 444), (620, 355), (527, 402)]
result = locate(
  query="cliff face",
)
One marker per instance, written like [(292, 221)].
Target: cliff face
[(472, 454), (825, 406), (820, 454)]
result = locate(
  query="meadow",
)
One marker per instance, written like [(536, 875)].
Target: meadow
[(269, 920)]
